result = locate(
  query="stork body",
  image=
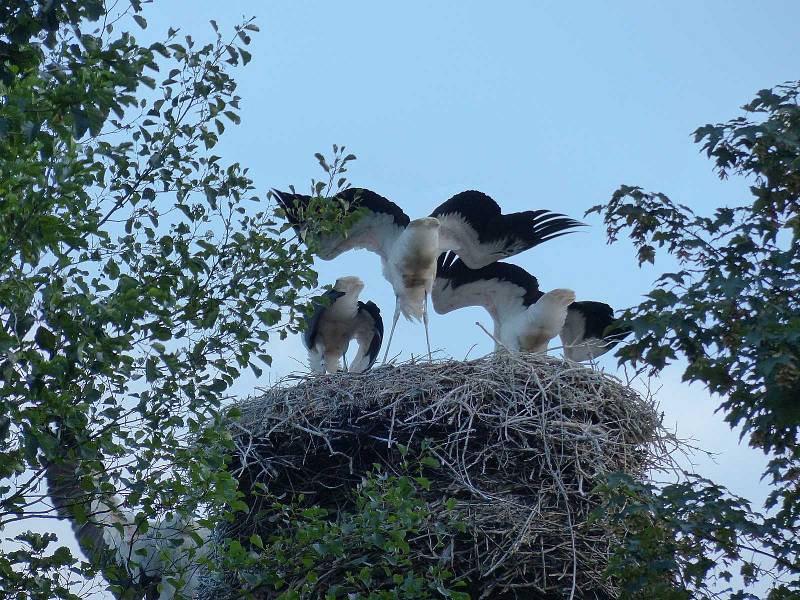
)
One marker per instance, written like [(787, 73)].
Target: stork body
[(530, 328), (588, 331), (470, 223), (168, 557), (411, 269), (525, 319), (334, 325)]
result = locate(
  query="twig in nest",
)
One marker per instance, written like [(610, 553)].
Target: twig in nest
[(496, 341)]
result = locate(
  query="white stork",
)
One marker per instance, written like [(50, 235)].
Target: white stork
[(470, 223), (341, 319), (525, 318), (154, 562)]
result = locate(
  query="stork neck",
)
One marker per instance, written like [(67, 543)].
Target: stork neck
[(421, 236), (344, 306), (417, 250)]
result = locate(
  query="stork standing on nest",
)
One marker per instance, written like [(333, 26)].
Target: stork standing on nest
[(525, 318), (334, 324), (470, 223)]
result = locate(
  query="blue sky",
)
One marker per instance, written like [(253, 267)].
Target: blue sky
[(539, 104)]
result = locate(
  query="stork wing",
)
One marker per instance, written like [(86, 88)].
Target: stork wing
[(497, 287), (376, 230), (590, 330), (473, 226), (369, 334), (312, 321)]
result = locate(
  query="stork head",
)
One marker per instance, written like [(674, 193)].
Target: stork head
[(559, 297), (349, 285), (425, 223)]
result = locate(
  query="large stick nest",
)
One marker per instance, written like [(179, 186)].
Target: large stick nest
[(522, 440)]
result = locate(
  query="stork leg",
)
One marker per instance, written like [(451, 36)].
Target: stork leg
[(315, 362), (425, 321), (331, 363), (394, 324)]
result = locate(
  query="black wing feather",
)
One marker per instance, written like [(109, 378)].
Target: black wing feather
[(377, 339), (521, 231), (600, 321), (473, 205), (294, 205)]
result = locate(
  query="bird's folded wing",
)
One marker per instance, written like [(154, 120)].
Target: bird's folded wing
[(473, 226), (590, 330), (319, 306), (376, 230), (369, 335)]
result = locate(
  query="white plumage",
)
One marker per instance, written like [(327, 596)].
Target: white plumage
[(156, 562), (470, 223), (524, 317)]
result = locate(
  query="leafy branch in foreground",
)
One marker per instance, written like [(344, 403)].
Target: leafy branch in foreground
[(689, 539), (140, 276), (389, 546), (732, 310)]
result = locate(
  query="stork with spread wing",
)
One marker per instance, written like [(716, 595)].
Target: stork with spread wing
[(525, 318), (470, 224)]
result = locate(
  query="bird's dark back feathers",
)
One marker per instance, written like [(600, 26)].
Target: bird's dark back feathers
[(452, 268), (377, 339), (599, 318)]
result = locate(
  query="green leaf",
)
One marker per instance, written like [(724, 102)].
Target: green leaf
[(46, 339)]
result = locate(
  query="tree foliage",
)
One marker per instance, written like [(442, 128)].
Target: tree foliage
[(732, 311), (140, 274), (392, 545)]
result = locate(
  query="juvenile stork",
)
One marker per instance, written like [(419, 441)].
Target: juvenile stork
[(335, 323), (525, 318), (470, 223)]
